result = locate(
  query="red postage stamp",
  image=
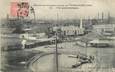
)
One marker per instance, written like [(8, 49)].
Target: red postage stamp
[(19, 9)]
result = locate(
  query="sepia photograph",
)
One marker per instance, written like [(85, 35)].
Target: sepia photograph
[(57, 36)]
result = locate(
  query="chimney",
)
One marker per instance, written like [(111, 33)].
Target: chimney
[(7, 16), (108, 17), (81, 23), (98, 16), (102, 15)]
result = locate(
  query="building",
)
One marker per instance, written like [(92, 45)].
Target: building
[(6, 30), (33, 36), (105, 29), (71, 30), (99, 43)]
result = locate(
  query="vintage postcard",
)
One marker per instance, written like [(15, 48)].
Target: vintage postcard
[(57, 36)]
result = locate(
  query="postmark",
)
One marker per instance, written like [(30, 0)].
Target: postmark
[(19, 9)]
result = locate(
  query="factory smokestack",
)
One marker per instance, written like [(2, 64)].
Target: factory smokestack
[(7, 16), (81, 23), (98, 16), (102, 15), (108, 17)]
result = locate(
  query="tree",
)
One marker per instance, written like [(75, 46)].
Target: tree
[(94, 21)]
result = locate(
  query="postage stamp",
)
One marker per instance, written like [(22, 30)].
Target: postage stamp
[(19, 9)]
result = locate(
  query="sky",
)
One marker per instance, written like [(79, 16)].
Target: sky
[(50, 12)]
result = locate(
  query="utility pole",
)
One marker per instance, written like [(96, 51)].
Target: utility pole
[(56, 54), (56, 48)]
